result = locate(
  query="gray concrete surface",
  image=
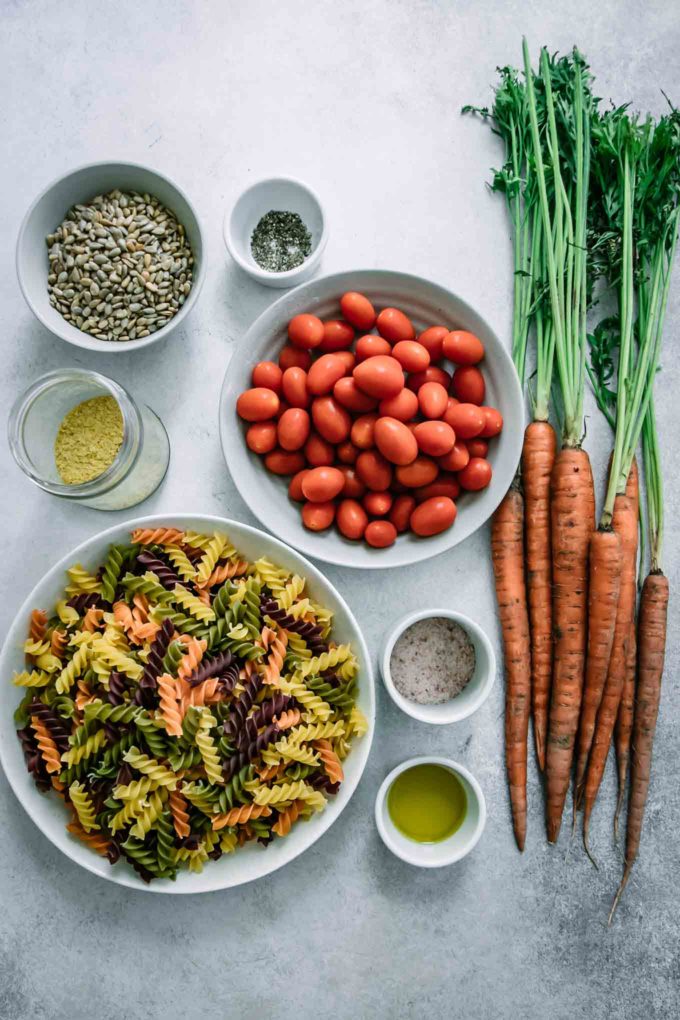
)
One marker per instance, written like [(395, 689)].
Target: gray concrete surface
[(361, 99)]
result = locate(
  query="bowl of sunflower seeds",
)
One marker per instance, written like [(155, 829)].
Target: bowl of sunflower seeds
[(110, 257)]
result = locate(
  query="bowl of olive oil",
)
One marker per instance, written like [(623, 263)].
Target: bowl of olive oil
[(430, 811)]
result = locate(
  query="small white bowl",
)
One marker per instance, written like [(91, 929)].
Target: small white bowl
[(475, 693), (48, 211), (448, 851), (282, 194)]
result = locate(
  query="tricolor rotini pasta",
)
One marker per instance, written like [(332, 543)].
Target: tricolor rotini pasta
[(184, 701)]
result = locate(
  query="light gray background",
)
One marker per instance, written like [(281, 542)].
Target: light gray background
[(362, 100)]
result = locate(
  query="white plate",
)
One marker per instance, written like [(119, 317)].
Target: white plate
[(251, 861), (427, 304)]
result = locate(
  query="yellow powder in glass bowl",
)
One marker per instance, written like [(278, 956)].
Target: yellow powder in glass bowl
[(88, 440)]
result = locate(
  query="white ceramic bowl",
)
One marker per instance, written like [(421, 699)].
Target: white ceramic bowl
[(48, 211), (427, 304), (250, 862), (281, 194), (448, 851), (475, 693)]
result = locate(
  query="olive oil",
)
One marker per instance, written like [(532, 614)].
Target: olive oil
[(427, 803)]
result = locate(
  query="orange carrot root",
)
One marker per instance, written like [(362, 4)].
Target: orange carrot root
[(507, 551), (604, 573), (651, 653), (625, 524), (538, 458), (572, 523)]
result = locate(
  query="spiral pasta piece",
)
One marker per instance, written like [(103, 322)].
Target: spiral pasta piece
[(211, 554), (46, 745), (73, 670), (157, 536), (81, 581), (195, 650), (240, 815), (77, 754), (180, 561), (168, 705), (327, 660), (37, 626), (96, 841), (271, 669), (206, 745), (136, 790), (318, 708), (288, 817), (288, 719), (224, 572), (58, 642), (330, 761), (93, 619), (32, 678), (84, 808), (193, 605), (291, 592), (150, 767), (180, 816), (149, 814), (126, 815), (112, 656)]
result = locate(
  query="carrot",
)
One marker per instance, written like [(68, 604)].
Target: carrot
[(572, 522), (538, 457), (624, 726), (507, 553), (651, 654), (604, 572), (625, 524)]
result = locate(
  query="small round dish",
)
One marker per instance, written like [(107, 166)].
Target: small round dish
[(448, 851), (49, 209), (281, 194), (474, 694)]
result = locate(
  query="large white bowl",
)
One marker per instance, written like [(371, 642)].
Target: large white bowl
[(427, 304), (48, 211), (249, 862)]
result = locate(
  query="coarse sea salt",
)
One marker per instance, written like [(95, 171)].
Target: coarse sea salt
[(432, 661)]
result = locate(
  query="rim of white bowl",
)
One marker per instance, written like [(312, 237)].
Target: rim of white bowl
[(323, 821), (84, 340), (448, 711), (257, 273), (415, 857), (400, 556)]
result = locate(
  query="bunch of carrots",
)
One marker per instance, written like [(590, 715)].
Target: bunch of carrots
[(594, 203)]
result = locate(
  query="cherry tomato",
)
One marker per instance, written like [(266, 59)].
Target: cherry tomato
[(318, 516), (432, 340), (493, 422), (469, 385), (403, 407), (324, 374), (380, 534), (284, 462), (444, 485), (475, 475), (354, 488), (293, 428), (433, 516), (348, 360), (351, 519), (261, 437), (380, 377), (395, 441), (305, 331), (373, 470), (358, 310), (466, 420), (268, 374), (293, 357), (401, 511), (411, 355), (394, 325), (322, 484), (258, 404), (318, 452), (433, 373), (337, 336), (420, 472), (295, 486), (477, 447), (434, 438), (294, 386), (331, 420), (362, 431), (462, 347), (377, 504), (347, 452), (347, 393), (370, 346), (432, 399), (456, 458)]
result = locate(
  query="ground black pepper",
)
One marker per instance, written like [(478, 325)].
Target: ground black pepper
[(280, 241)]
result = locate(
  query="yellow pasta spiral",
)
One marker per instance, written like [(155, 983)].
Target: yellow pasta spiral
[(327, 660), (211, 554), (286, 791), (291, 592), (75, 667), (211, 760), (104, 650), (318, 708), (84, 808), (136, 790), (180, 562), (36, 678), (127, 814), (150, 767), (86, 750), (192, 604), (146, 818), (81, 581)]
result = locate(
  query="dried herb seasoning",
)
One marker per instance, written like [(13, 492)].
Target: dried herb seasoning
[(280, 241)]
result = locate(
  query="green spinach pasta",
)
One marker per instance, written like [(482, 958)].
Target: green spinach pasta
[(184, 701)]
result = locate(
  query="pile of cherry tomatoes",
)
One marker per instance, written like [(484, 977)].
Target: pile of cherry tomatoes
[(377, 436)]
